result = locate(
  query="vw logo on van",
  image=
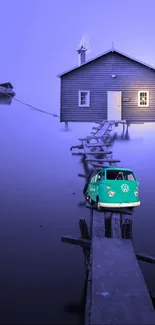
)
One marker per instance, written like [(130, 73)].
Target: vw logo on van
[(125, 188)]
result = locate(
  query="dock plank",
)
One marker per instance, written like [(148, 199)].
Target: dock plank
[(119, 292), (99, 144), (105, 152), (116, 225), (98, 224), (103, 160), (89, 296)]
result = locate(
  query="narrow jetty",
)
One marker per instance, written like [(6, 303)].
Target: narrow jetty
[(116, 289)]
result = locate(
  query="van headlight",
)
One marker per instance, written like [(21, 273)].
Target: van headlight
[(136, 193), (111, 193)]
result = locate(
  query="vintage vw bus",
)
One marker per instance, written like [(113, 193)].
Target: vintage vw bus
[(113, 187)]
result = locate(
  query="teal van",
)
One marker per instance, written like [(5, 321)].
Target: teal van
[(113, 187)]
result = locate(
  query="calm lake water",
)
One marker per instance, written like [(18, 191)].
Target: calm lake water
[(40, 277)]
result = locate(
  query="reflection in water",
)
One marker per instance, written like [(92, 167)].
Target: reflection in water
[(66, 127), (85, 165), (78, 308), (5, 99), (124, 136), (39, 274)]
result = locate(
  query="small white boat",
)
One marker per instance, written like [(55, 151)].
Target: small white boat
[(7, 89)]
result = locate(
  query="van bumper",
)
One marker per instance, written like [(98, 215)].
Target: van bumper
[(119, 205)]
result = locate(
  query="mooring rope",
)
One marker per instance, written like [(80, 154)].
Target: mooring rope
[(30, 106)]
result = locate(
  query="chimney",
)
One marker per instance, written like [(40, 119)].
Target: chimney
[(81, 55)]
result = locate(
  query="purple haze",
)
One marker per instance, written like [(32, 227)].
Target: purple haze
[(38, 274)]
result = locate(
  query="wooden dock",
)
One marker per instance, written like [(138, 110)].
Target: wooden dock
[(116, 289), (119, 293)]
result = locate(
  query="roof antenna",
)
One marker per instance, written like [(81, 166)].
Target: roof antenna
[(85, 43), (113, 54)]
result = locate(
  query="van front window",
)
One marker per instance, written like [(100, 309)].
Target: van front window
[(129, 176), (120, 175)]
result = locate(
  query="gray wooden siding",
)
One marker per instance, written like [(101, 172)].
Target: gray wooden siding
[(96, 77)]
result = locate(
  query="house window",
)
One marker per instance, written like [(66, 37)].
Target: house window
[(143, 98), (84, 98)]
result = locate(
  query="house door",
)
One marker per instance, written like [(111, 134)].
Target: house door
[(114, 107)]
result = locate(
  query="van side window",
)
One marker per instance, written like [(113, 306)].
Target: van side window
[(128, 176), (94, 179), (101, 176), (120, 175)]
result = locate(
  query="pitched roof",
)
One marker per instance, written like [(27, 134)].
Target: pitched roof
[(99, 56), (6, 84)]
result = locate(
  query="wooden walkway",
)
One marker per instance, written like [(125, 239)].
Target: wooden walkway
[(119, 293), (116, 290)]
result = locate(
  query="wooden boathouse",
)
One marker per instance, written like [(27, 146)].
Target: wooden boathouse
[(116, 290), (111, 86)]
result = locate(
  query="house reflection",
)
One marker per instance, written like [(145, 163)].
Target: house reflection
[(5, 100)]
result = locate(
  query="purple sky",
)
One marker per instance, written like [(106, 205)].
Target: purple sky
[(39, 39)]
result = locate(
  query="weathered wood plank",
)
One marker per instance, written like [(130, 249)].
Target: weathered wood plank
[(83, 139), (85, 237), (145, 258), (98, 224), (84, 229), (82, 176), (99, 144), (88, 300), (97, 149), (96, 137), (118, 121), (119, 292), (104, 160), (126, 227), (105, 152), (76, 241), (88, 293), (116, 225), (125, 211), (76, 147), (96, 128), (77, 153), (97, 165), (107, 126)]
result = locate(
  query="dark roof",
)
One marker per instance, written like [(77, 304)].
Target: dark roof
[(7, 85), (99, 56)]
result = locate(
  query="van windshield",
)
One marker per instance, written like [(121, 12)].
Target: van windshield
[(120, 175)]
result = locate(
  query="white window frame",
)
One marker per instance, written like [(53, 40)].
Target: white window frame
[(143, 91), (84, 91)]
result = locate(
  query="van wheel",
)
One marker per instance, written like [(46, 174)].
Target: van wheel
[(98, 204), (91, 201)]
